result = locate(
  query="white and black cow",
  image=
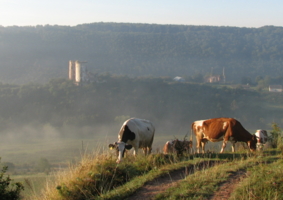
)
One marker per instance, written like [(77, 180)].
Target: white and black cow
[(137, 133), (261, 137)]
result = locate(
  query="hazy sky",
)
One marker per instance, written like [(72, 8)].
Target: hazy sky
[(240, 13)]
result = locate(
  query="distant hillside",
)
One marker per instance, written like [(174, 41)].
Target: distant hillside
[(37, 54), (171, 106)]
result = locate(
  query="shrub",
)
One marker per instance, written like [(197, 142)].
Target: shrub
[(276, 137), (8, 190), (43, 165)]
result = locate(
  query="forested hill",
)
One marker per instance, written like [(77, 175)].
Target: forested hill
[(37, 54), (171, 106)]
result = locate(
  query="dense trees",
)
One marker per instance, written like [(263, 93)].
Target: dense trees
[(40, 53), (169, 104)]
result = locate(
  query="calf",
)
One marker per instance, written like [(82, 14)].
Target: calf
[(262, 137), (177, 146)]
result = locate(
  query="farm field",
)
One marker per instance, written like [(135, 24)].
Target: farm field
[(63, 150)]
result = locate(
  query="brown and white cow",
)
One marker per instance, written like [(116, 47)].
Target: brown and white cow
[(177, 146), (218, 129), (137, 133), (262, 137)]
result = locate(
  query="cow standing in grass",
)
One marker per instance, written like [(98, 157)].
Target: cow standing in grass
[(137, 133), (222, 129), (262, 137)]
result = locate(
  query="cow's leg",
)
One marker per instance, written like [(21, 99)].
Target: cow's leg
[(223, 146), (203, 142), (198, 145), (233, 146), (136, 149), (203, 147)]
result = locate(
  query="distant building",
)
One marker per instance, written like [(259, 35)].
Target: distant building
[(213, 79), (275, 88), (179, 79), (246, 87), (78, 71)]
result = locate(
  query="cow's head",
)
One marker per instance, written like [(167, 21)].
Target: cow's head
[(120, 148), (252, 143)]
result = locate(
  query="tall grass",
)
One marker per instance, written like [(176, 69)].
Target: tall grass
[(97, 174)]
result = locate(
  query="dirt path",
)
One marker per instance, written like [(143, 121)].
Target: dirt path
[(159, 185), (227, 187)]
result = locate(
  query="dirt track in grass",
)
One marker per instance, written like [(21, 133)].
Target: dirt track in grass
[(161, 184), (227, 187)]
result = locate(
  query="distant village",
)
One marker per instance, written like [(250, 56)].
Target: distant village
[(79, 74)]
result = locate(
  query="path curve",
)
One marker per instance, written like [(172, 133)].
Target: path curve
[(160, 184), (228, 186)]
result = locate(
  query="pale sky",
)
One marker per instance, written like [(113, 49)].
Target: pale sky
[(239, 13)]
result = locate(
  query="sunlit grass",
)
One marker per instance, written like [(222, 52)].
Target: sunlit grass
[(99, 170), (203, 183), (137, 182), (265, 181), (97, 174)]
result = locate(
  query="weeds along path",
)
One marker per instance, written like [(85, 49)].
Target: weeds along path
[(160, 184), (227, 187)]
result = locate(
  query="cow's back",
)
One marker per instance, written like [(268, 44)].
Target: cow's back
[(215, 129), (226, 127), (143, 129), (168, 147), (197, 128)]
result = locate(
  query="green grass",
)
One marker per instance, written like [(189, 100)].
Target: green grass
[(202, 184), (64, 151), (96, 176), (265, 181), (99, 177), (137, 182)]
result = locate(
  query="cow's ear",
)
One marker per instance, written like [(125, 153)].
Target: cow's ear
[(111, 146), (128, 146)]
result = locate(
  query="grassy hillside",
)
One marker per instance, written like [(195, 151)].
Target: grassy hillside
[(99, 177)]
